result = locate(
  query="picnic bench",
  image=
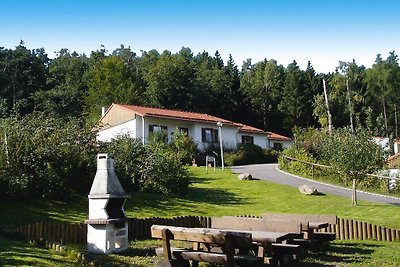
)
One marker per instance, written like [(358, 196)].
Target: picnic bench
[(269, 236), (227, 241), (316, 222)]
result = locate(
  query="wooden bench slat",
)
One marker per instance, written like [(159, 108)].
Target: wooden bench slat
[(229, 241), (255, 224), (203, 235), (324, 236), (218, 258), (329, 218)]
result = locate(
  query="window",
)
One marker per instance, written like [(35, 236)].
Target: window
[(184, 130), (209, 135), (157, 128), (247, 139), (278, 146), (158, 133)]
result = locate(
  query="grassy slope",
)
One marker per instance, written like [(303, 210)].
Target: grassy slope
[(213, 194), (15, 253), (222, 194), (210, 195)]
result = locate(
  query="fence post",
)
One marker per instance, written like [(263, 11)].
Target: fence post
[(312, 171)]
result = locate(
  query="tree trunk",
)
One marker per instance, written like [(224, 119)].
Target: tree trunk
[(330, 127), (350, 106), (385, 116), (395, 120), (354, 194)]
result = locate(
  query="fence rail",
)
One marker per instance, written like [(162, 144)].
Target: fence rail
[(313, 165), (345, 229), (77, 232)]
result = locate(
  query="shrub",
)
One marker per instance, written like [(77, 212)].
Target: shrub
[(154, 167), (296, 166), (246, 154), (183, 146), (163, 172), (129, 154), (45, 157)]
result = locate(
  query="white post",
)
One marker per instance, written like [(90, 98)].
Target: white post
[(220, 144), (143, 130)]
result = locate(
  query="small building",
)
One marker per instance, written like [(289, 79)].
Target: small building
[(139, 122)]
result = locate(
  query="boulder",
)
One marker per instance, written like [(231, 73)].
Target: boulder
[(245, 176), (307, 190)]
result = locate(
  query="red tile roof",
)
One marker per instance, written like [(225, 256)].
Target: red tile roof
[(274, 136), (249, 129), (200, 117), (175, 114)]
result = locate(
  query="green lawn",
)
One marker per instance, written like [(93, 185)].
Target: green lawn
[(341, 253), (223, 194), (16, 253), (213, 194)]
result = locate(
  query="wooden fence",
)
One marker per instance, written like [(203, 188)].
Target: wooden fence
[(313, 167), (140, 229), (76, 233)]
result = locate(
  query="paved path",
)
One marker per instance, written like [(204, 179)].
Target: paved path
[(271, 173)]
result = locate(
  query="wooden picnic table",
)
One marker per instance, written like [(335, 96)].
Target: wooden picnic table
[(318, 225), (264, 239), (312, 226)]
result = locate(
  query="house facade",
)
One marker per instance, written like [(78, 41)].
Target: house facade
[(139, 122)]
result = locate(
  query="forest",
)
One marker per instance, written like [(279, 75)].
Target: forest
[(262, 94)]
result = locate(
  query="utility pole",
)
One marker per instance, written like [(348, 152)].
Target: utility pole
[(327, 108)]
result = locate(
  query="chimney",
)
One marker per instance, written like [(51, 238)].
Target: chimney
[(107, 223)]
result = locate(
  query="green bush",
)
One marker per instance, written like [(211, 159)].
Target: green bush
[(45, 157), (296, 166), (155, 167), (246, 154), (129, 154), (183, 146), (162, 172)]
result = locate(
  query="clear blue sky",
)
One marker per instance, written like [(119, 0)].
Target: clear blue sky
[(320, 31)]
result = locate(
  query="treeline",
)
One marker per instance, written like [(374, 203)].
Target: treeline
[(263, 94)]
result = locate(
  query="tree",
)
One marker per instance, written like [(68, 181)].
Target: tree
[(23, 72), (383, 81), (46, 157), (262, 83), (295, 104), (109, 81), (232, 104), (353, 154), (170, 82), (67, 87)]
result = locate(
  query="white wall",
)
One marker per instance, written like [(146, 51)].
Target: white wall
[(259, 139), (133, 128), (228, 135), (126, 128), (228, 132), (285, 144)]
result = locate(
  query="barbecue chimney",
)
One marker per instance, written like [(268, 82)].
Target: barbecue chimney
[(107, 223)]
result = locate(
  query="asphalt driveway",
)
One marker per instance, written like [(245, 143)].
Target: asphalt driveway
[(271, 173)]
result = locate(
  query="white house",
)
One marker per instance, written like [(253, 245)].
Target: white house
[(138, 122)]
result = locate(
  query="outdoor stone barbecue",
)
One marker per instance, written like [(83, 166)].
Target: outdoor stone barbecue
[(107, 223)]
